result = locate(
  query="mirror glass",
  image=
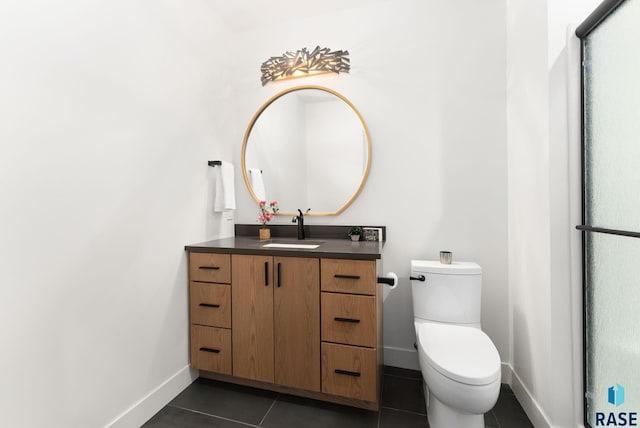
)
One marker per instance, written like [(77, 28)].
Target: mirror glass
[(307, 148)]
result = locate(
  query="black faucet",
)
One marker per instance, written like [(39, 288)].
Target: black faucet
[(300, 220)]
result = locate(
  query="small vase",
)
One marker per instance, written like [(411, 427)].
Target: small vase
[(355, 238), (265, 234)]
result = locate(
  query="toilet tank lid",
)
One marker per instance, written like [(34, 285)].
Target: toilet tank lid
[(455, 268)]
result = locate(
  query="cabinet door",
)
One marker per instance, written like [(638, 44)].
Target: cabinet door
[(252, 317), (297, 322)]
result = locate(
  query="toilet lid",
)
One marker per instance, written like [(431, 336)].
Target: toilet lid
[(464, 354)]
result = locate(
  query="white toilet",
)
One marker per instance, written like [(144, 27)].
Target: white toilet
[(459, 363)]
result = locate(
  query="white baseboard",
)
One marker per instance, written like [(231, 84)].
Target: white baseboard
[(401, 357), (151, 404), (526, 400)]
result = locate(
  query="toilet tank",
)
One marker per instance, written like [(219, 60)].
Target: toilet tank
[(450, 293)]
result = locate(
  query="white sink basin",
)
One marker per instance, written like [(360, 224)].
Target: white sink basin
[(296, 246)]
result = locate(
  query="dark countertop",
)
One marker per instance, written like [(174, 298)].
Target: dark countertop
[(329, 248)]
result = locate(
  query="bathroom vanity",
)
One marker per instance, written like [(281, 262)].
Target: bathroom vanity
[(300, 320)]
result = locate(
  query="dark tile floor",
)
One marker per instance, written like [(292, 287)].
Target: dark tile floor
[(208, 404)]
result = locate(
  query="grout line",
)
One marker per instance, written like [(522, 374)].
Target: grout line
[(496, 418), (271, 407), (405, 411), (213, 416), (381, 398)]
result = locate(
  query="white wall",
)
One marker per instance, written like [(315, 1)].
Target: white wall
[(434, 101), (110, 111), (543, 114), (529, 239)]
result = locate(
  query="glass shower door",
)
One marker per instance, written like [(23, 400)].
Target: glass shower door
[(611, 178)]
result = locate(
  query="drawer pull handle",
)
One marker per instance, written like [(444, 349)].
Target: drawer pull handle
[(215, 351), (353, 320), (346, 276), (209, 267), (266, 274), (209, 305), (347, 372)]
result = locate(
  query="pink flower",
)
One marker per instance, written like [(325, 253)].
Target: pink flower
[(267, 213)]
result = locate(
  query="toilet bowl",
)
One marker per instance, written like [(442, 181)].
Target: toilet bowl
[(459, 363), (461, 368)]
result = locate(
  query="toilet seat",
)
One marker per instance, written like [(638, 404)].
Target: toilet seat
[(460, 353)]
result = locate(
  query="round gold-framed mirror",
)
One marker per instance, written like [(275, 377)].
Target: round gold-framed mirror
[(308, 148)]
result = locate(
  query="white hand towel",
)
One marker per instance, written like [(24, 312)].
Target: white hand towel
[(257, 183), (225, 196)]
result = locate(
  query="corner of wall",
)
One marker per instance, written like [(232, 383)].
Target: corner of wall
[(527, 401), (136, 415)]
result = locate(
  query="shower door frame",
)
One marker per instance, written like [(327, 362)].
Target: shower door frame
[(591, 23)]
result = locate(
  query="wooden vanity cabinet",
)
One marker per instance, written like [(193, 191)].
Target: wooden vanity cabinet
[(210, 312), (351, 329), (276, 319), (300, 325)]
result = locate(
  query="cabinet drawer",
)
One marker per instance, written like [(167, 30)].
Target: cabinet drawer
[(349, 371), (211, 349), (349, 276), (209, 267), (349, 319), (210, 304)]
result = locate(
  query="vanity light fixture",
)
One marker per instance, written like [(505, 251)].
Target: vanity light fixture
[(304, 63)]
